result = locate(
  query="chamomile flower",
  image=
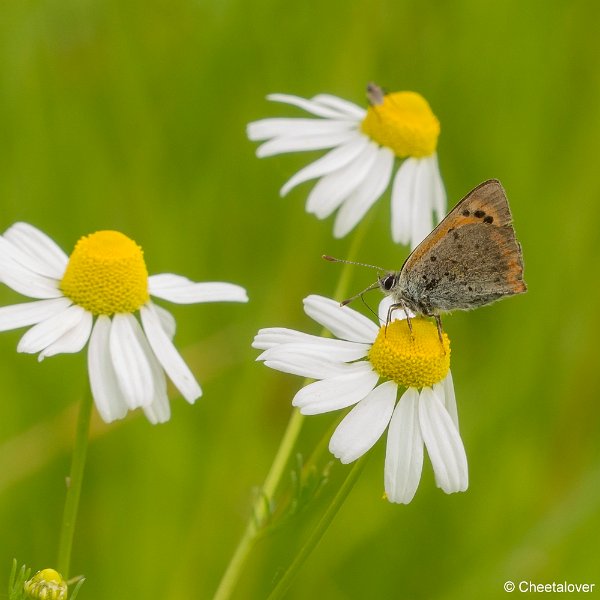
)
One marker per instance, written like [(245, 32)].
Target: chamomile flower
[(358, 169), (94, 295), (365, 368)]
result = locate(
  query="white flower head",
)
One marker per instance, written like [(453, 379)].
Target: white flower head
[(364, 368), (93, 296), (358, 169)]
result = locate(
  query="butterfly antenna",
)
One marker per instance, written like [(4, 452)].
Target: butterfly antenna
[(373, 286), (351, 262), (370, 309)]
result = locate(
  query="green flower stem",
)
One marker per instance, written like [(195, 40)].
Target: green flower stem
[(318, 532), (74, 485)]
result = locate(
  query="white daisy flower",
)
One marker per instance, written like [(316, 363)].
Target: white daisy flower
[(104, 280), (364, 368), (358, 170)]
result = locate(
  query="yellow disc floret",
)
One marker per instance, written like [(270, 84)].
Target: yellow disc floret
[(414, 360), (47, 584), (404, 123), (106, 274)]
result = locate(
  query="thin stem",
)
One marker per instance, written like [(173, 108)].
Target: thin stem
[(319, 530), (263, 503), (74, 485)]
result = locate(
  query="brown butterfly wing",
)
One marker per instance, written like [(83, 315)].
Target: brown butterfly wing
[(470, 259)]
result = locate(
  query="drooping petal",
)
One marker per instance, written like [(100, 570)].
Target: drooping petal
[(159, 410), (449, 398), (342, 321), (39, 245), (364, 424), (439, 202), (71, 341), (50, 330), (30, 313), (182, 290), (281, 145), (25, 281), (266, 129), (333, 350), (343, 106), (130, 361), (443, 442), (168, 356), (337, 392), (404, 452), (402, 201), (167, 320), (332, 189), (422, 218), (108, 397), (366, 194), (310, 106), (332, 161)]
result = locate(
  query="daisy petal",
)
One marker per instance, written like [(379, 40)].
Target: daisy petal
[(439, 201), (167, 320), (71, 341), (330, 191), (50, 330), (159, 410), (305, 363), (397, 314), (30, 313), (181, 290), (364, 424), (307, 105), (443, 443), (167, 355), (266, 129), (447, 393), (284, 144), (270, 337), (404, 452), (25, 281), (342, 321), (36, 243), (337, 392), (366, 194), (24, 259), (129, 360), (343, 106), (332, 161), (333, 350), (422, 222), (108, 396), (402, 200)]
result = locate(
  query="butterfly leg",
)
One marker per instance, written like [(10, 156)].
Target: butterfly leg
[(438, 322), (392, 308)]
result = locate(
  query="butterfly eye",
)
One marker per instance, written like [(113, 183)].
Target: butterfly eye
[(388, 282)]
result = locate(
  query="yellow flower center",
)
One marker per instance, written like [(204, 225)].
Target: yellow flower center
[(47, 584), (106, 274), (404, 123), (418, 360)]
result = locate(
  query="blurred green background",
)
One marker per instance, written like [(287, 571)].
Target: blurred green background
[(130, 115)]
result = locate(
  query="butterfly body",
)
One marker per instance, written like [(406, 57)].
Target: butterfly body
[(472, 258)]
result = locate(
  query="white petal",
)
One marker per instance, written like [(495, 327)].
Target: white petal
[(49, 331), (337, 392), (397, 314), (39, 245), (307, 105), (402, 200), (30, 313), (439, 202), (342, 321), (404, 452), (130, 361), (364, 424), (167, 355), (332, 350), (25, 281), (330, 191), (281, 145), (447, 393), (332, 161), (181, 290), (274, 128), (305, 363), (159, 411), (422, 220), (444, 444), (24, 259), (366, 194), (71, 341), (167, 320), (343, 106), (270, 337), (108, 397)]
